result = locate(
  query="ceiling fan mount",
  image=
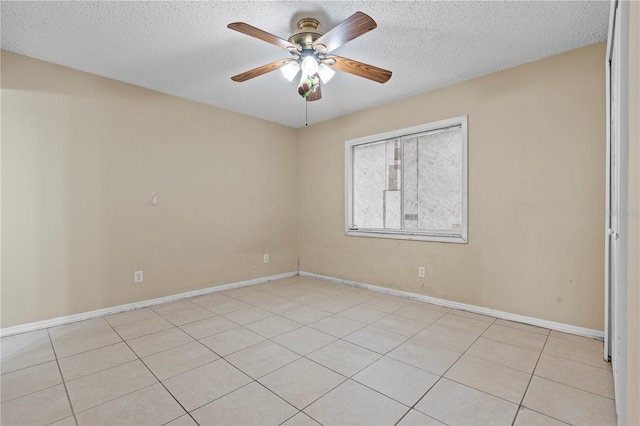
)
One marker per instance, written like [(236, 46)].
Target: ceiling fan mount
[(312, 53), (307, 33)]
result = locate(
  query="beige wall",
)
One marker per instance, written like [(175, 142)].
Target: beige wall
[(633, 322), (536, 194), (81, 155)]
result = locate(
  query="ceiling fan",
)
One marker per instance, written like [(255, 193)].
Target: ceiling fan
[(311, 51)]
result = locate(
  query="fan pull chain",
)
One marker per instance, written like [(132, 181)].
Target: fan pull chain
[(306, 113)]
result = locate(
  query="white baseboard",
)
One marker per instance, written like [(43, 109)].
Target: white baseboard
[(38, 325), (558, 326)]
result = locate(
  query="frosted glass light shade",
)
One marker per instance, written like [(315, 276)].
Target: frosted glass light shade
[(290, 70), (325, 72)]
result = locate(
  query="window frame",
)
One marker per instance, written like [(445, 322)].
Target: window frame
[(416, 235)]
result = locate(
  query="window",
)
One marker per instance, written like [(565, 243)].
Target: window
[(409, 183)]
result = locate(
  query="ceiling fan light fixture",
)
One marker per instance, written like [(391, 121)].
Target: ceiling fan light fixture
[(290, 70), (309, 65), (325, 72)]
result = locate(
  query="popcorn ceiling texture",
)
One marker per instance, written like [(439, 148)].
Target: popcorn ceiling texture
[(185, 49)]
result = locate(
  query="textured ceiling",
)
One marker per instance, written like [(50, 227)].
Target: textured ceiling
[(185, 49)]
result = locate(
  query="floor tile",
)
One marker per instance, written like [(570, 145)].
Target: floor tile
[(67, 421), (416, 418), (363, 314), (95, 389), (473, 315), (569, 404), (573, 337), (399, 325), (202, 385), (208, 327), (261, 359), (171, 307), (333, 304), (504, 354), (79, 328), (259, 298), (387, 304), (397, 380), (143, 327), (25, 350), (96, 360), (375, 339), (453, 403), (39, 408), (301, 382), (231, 341), (152, 405), (158, 342), (130, 316), (421, 340), (354, 404), (586, 351), (448, 338), (224, 306), (28, 380), (337, 326), (239, 292), (582, 376), (305, 315), (185, 420), (85, 342), (211, 299), (344, 357), (301, 419), (187, 316), (468, 325), (273, 326), (247, 315), (419, 312), (521, 326), (428, 357), (513, 336), (175, 361), (528, 417), (249, 405), (304, 340), (500, 381)]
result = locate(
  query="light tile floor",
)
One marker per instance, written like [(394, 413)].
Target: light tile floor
[(300, 351)]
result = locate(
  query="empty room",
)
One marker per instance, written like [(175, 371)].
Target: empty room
[(320, 213)]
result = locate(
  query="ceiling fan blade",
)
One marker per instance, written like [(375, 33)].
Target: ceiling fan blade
[(314, 96), (261, 70), (354, 26), (360, 69), (252, 31)]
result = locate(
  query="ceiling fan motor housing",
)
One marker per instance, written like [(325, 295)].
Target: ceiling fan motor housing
[(307, 33)]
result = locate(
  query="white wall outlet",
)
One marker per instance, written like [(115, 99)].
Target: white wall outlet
[(266, 258), (421, 271), (138, 276)]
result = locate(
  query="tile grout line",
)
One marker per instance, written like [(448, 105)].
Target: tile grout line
[(573, 387), (446, 371), (151, 372), (64, 383), (530, 379), (330, 314)]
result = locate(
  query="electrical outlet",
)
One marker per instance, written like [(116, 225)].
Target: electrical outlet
[(138, 277), (266, 258), (421, 272)]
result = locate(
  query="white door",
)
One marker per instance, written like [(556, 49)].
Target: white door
[(616, 203)]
